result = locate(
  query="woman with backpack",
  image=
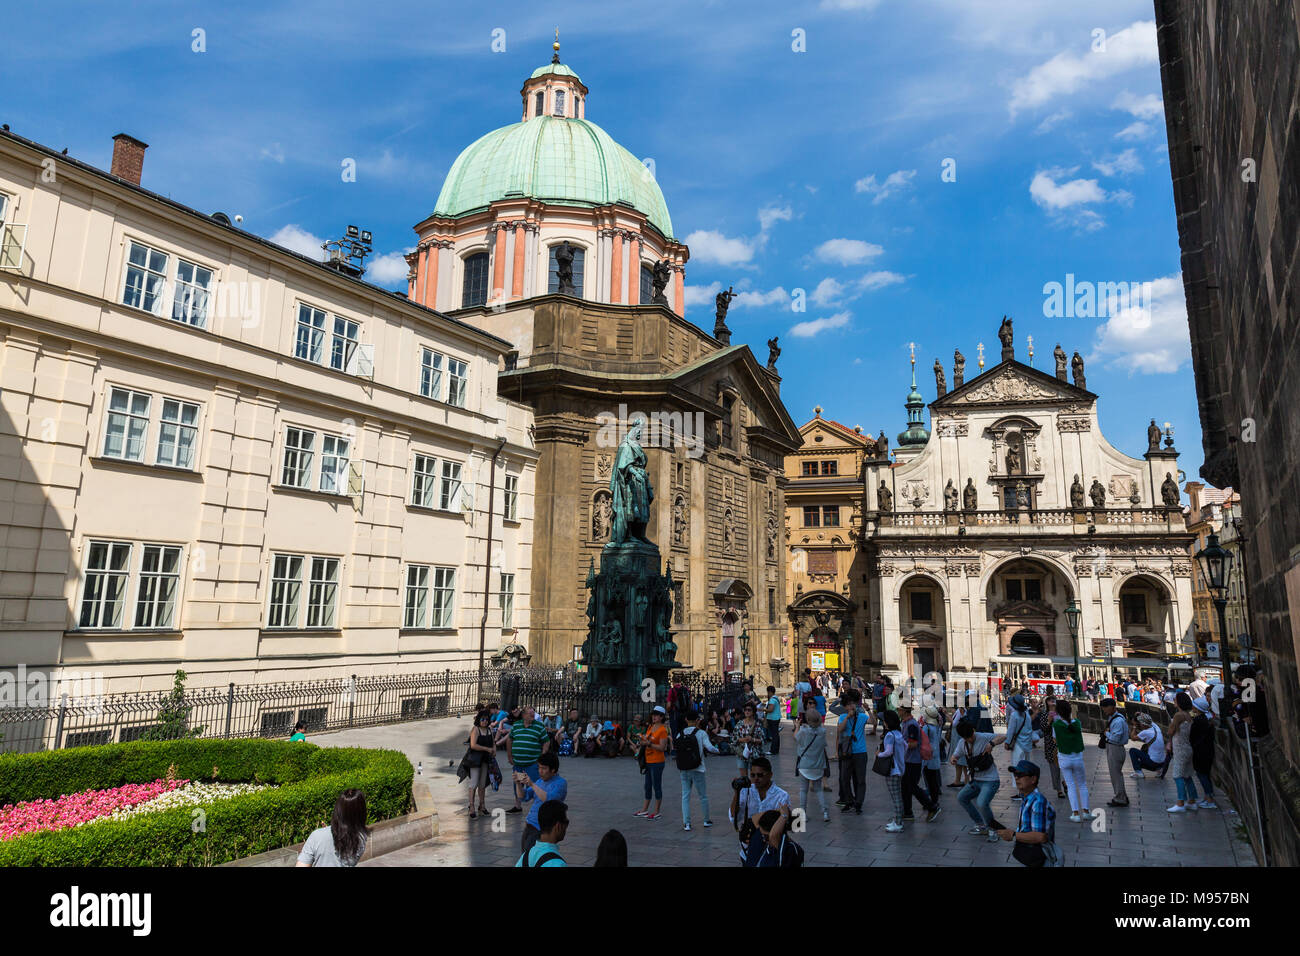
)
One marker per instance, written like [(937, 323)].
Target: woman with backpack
[(889, 764), (1067, 734), (1201, 737), (689, 748), (811, 763)]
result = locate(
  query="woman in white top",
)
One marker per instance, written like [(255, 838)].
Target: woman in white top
[(894, 747), (811, 761)]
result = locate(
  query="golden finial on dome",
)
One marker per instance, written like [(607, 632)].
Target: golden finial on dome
[(555, 57)]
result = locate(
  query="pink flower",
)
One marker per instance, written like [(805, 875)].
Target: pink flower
[(73, 809)]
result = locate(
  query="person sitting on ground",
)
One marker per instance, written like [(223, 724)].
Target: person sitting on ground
[(553, 817), (591, 736), (610, 740), (635, 734), (569, 734), (343, 842), (1152, 754)]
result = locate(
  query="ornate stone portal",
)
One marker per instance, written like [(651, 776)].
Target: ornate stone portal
[(630, 607)]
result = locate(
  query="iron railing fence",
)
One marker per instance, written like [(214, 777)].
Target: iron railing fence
[(272, 709), (247, 710)]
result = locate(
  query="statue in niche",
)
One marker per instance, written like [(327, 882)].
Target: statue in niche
[(1098, 494), (602, 517), (771, 538), (958, 368), (949, 497), (630, 489), (564, 268), (1076, 365), (970, 497), (1022, 495), (1013, 458), (611, 641), (679, 521), (1076, 494), (940, 383), (640, 604), (1153, 436), (660, 282), (727, 533), (885, 497), (1169, 491)]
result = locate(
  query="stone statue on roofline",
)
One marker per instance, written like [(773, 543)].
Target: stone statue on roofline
[(660, 282)]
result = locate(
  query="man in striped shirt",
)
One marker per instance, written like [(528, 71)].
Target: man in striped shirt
[(528, 740)]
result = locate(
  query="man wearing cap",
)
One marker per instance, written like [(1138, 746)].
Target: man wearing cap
[(1115, 739), (1035, 836)]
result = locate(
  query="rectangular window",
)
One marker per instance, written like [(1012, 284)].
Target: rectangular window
[(343, 344), (160, 580), (417, 595), (310, 341), (431, 374), (127, 425), (425, 481), (177, 433), (679, 602), (922, 609), (444, 591), (1014, 591), (507, 601), (510, 507), (831, 516), (146, 279), (322, 592), (830, 468), (812, 516), (539, 103), (108, 568), (771, 605), (809, 469), (299, 446), (449, 498), (286, 586), (1033, 589), (334, 464), (190, 304), (456, 382)]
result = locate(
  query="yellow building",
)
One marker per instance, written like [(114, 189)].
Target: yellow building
[(826, 584)]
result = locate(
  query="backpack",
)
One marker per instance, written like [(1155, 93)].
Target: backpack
[(927, 749), (687, 750)]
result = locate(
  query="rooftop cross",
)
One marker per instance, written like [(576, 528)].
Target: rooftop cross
[(980, 350)]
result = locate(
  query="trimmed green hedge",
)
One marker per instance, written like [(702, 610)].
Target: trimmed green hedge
[(308, 778)]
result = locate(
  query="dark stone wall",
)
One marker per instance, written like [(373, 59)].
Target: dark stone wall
[(1231, 77)]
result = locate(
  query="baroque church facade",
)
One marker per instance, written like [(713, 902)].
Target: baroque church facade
[(550, 235), (977, 534)]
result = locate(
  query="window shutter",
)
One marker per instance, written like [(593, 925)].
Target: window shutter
[(356, 479), (361, 362)]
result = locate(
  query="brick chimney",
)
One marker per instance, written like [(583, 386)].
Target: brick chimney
[(128, 158)]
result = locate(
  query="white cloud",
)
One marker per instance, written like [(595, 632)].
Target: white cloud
[(878, 280), (274, 152), (1050, 122), (1053, 195), (847, 252), (1067, 72), (1125, 162), (849, 4), (832, 292), (388, 269), (777, 296), (772, 215), (1143, 107), (712, 247), (894, 182), (701, 294), (828, 292), (299, 240), (813, 327), (1138, 130), (1152, 337)]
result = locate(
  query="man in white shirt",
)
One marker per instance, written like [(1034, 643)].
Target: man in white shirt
[(760, 796), (1197, 688), (1116, 736), (1152, 754)]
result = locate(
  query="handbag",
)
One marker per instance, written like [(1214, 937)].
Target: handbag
[(883, 765), (640, 758)]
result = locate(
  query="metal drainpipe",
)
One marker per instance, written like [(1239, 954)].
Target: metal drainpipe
[(487, 566)]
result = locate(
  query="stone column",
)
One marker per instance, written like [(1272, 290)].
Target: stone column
[(679, 291), (519, 232), (616, 270), (634, 270), (498, 263)]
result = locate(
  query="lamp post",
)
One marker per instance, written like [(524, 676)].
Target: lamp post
[(1072, 619), (1216, 561)]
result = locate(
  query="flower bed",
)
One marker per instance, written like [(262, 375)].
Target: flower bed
[(76, 809), (297, 784), (189, 794)]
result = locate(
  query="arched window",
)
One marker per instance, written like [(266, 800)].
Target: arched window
[(553, 275), (647, 283), (475, 290), (559, 102), (577, 100), (539, 103), (1026, 641)]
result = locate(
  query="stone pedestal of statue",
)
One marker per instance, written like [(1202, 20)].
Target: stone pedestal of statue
[(629, 619)]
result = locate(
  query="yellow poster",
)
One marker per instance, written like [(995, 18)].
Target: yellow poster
[(832, 660)]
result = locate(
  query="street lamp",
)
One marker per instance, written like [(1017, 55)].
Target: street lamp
[(1072, 614), (744, 646), (1216, 561)]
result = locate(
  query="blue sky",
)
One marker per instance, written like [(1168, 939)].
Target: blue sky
[(808, 177)]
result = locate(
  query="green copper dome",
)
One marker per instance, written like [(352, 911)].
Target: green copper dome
[(557, 69), (554, 159)]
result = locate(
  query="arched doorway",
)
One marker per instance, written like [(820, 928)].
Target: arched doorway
[(1025, 600), (1027, 641), (729, 661)]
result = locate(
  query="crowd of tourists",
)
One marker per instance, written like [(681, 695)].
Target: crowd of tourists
[(905, 740)]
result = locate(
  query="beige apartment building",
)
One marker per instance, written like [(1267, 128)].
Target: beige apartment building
[(219, 455)]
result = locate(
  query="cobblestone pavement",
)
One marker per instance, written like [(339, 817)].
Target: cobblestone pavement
[(604, 794)]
